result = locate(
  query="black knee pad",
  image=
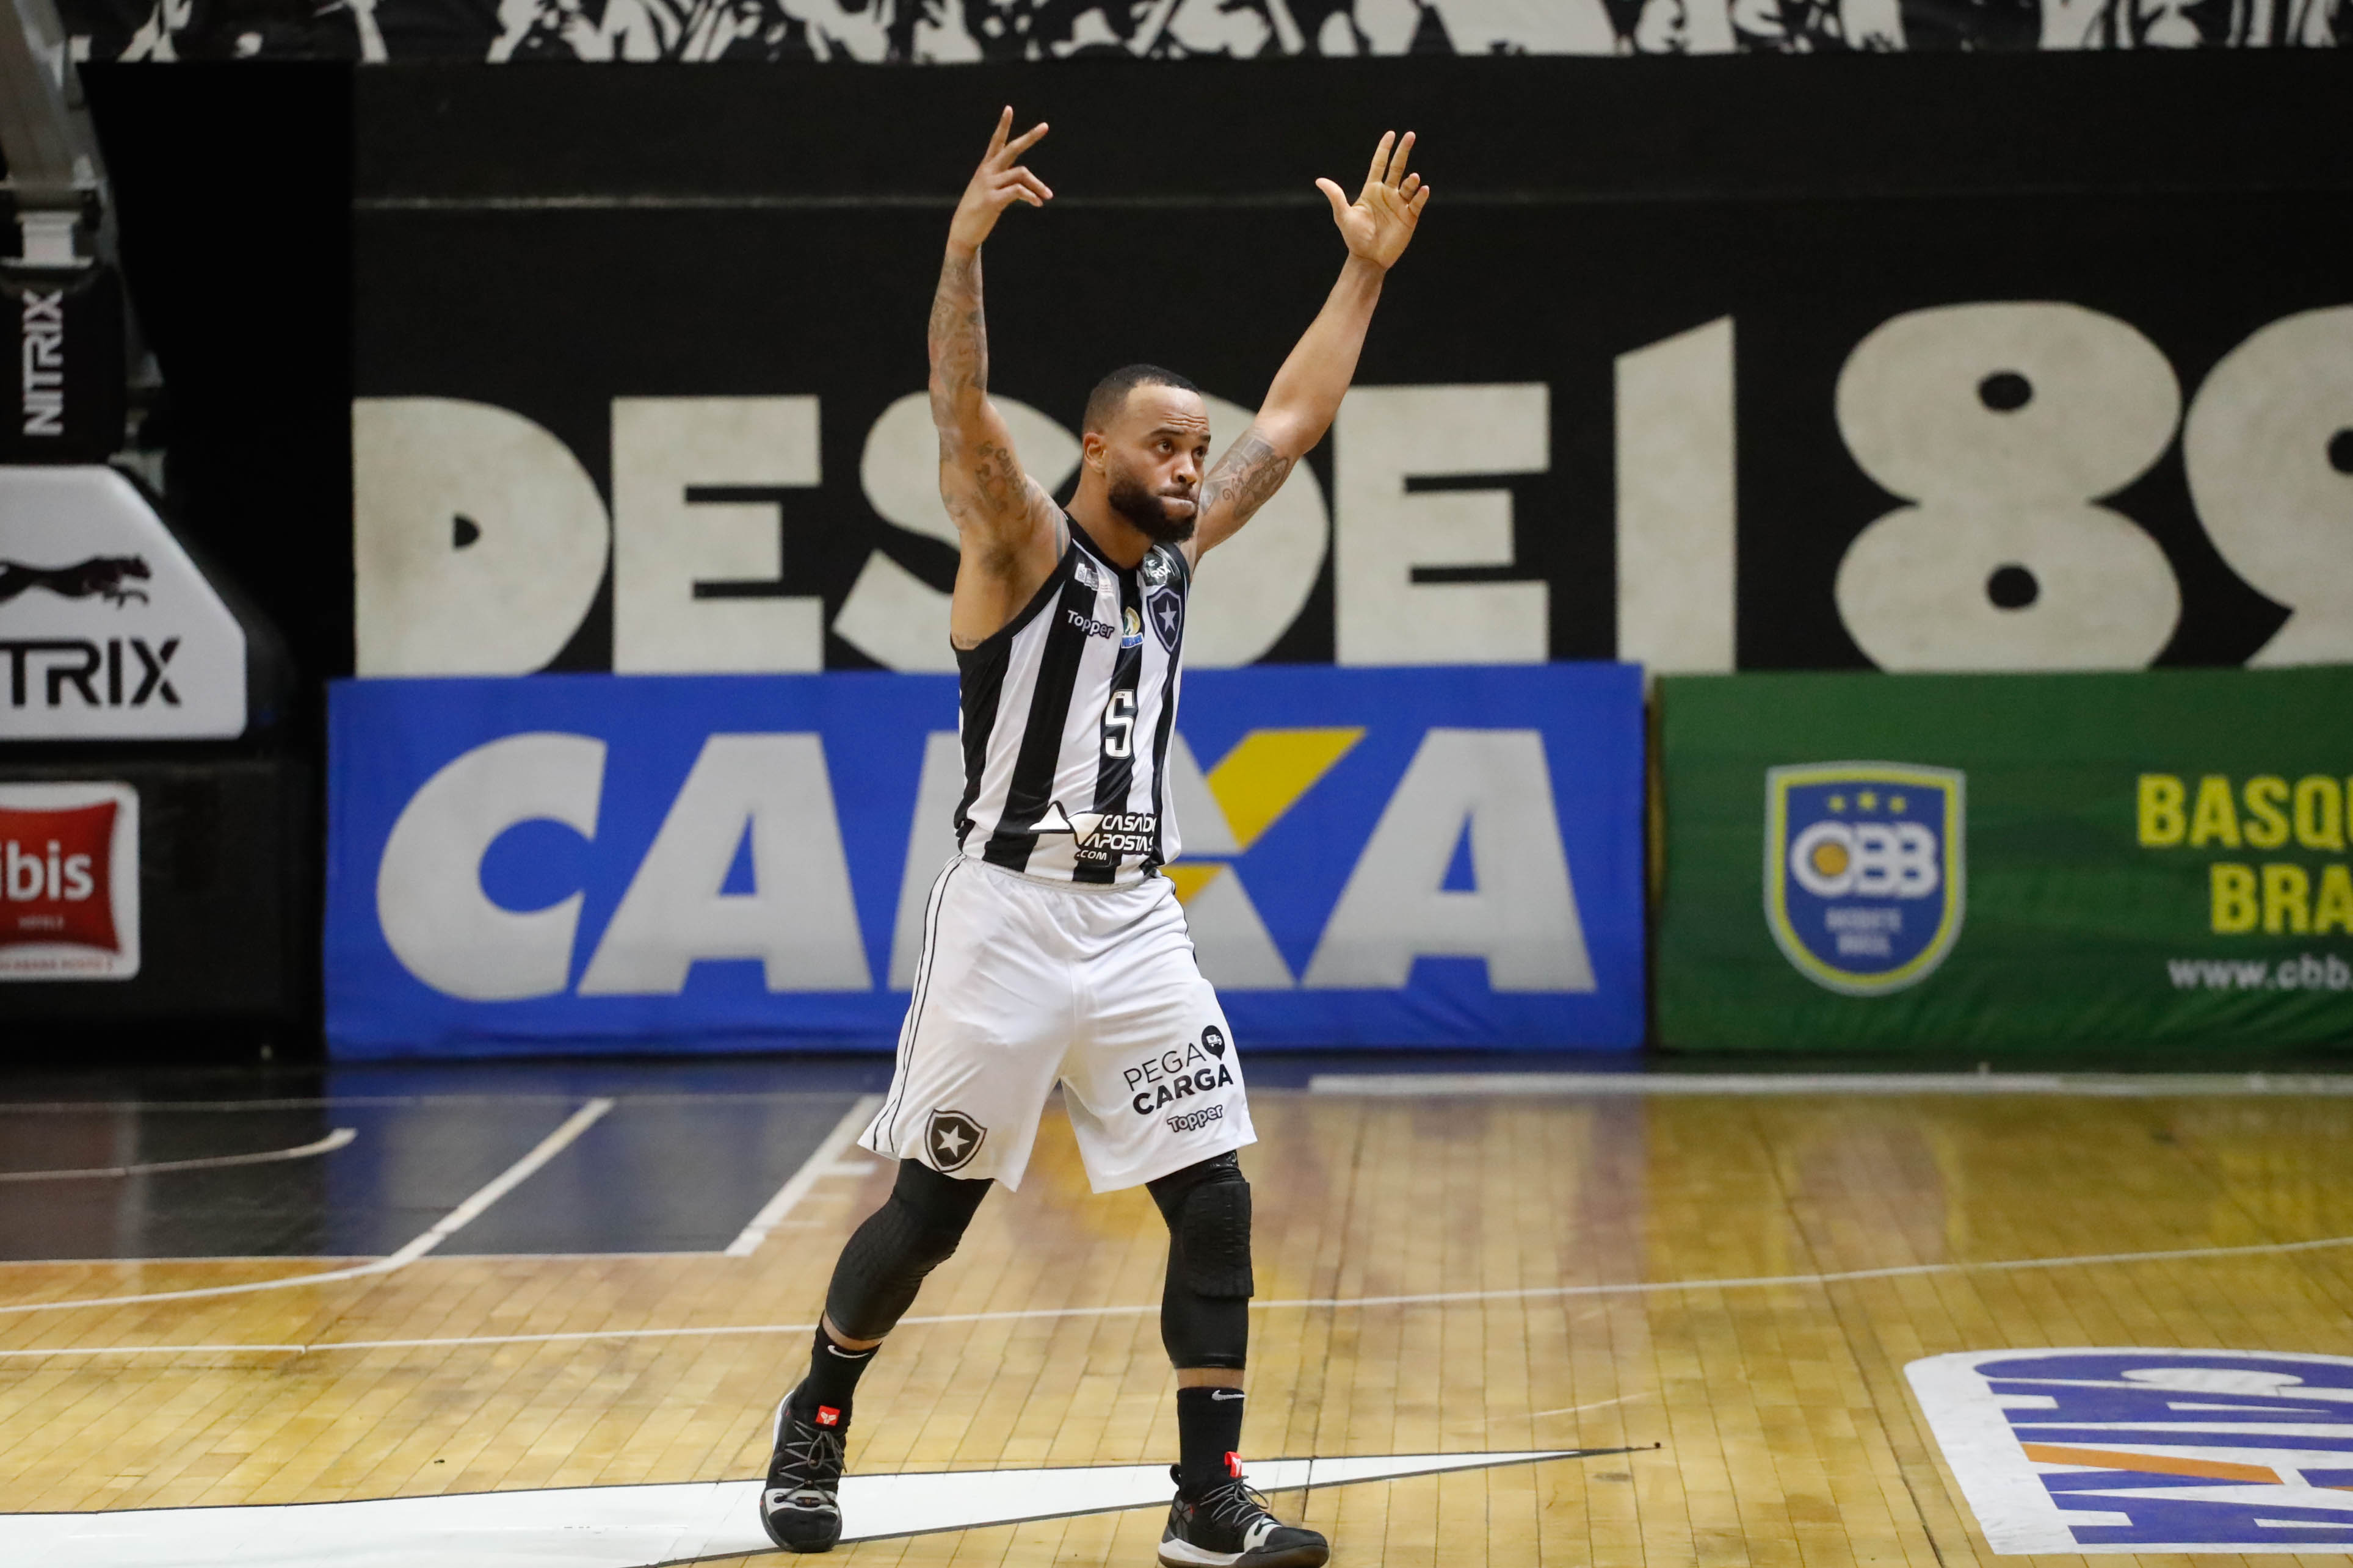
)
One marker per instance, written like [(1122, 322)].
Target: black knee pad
[(901, 1243), (1205, 1306)]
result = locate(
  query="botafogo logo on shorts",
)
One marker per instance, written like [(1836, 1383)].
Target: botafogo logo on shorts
[(954, 1139)]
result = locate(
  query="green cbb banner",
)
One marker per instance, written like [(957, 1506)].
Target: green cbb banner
[(1939, 861)]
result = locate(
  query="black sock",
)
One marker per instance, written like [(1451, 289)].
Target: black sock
[(1209, 1438), (832, 1379)]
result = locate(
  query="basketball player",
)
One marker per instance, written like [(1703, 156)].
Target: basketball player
[(1052, 947)]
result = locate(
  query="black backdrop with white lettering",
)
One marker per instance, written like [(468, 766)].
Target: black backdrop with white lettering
[(1664, 275), (958, 32)]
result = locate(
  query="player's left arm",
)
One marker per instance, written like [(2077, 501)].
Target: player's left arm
[(1306, 397)]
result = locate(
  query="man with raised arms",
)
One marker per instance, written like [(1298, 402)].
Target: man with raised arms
[(1053, 949)]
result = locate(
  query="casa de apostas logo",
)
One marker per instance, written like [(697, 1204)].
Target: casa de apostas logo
[(1863, 871)]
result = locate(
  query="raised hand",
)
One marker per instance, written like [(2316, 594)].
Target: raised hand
[(997, 183), (1380, 223)]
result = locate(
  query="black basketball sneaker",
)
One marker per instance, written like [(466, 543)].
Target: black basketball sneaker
[(801, 1505), (1229, 1527)]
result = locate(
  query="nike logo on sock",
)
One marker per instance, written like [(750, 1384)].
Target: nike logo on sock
[(849, 1355), (1222, 1395)]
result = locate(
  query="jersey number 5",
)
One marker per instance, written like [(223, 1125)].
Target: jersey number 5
[(1119, 723)]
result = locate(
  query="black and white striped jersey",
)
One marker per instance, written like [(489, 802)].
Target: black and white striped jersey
[(1067, 712)]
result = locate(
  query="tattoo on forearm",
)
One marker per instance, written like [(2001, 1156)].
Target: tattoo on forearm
[(959, 335), (996, 476), (1245, 477)]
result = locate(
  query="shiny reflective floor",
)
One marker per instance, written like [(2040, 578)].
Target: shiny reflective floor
[(1707, 1300), (358, 1177)]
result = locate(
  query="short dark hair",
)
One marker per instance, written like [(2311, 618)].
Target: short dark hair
[(1109, 398)]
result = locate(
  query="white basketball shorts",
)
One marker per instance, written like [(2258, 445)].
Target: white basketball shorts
[(1024, 982)]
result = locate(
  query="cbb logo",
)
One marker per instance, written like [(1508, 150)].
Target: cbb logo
[(1862, 870), (1834, 858)]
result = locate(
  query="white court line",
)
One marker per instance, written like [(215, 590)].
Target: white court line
[(818, 1166), (327, 1145), (2122, 1086), (505, 1182), (1573, 1409), (1315, 1303), (627, 1526), (500, 1185)]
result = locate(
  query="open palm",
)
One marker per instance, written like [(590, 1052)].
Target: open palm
[(1378, 224)]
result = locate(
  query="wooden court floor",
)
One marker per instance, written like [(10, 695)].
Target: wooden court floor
[(1437, 1272)]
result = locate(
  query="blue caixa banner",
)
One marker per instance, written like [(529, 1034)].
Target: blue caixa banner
[(643, 863)]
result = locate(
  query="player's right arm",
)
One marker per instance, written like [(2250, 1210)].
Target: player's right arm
[(1008, 528)]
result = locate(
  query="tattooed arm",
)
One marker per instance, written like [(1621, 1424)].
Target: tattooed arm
[(1306, 397), (1007, 525)]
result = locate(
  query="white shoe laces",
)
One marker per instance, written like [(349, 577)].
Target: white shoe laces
[(1241, 1505)]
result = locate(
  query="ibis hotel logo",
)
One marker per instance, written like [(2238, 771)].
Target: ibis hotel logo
[(1863, 870), (2066, 1451), (69, 881)]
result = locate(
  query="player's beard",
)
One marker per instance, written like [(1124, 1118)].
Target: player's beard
[(1148, 513)]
